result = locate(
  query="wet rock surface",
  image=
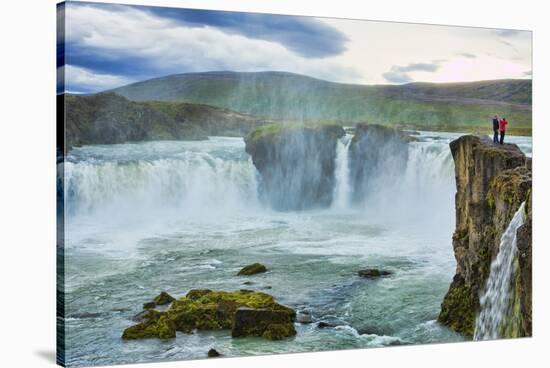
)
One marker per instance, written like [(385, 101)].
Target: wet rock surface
[(252, 269), (296, 164), (372, 273), (492, 181), (245, 313)]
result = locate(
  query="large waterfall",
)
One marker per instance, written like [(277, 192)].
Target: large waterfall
[(496, 299), (217, 175)]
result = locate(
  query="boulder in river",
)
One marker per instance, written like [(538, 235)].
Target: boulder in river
[(268, 323), (246, 313), (373, 272), (213, 353), (252, 269)]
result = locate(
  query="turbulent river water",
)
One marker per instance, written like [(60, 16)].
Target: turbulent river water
[(147, 217)]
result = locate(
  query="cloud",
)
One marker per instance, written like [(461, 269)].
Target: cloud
[(82, 80), (400, 74), (397, 77), (305, 36), (135, 44), (468, 55)]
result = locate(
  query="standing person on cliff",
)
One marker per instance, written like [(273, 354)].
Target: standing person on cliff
[(502, 128), (495, 129)]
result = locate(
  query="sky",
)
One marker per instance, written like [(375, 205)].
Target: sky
[(108, 45)]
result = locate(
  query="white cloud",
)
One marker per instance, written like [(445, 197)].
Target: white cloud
[(122, 32), (85, 79)]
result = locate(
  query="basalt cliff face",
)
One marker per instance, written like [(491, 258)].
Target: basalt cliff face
[(492, 181), (376, 152), (296, 164)]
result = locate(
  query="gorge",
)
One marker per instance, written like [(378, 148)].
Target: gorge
[(181, 215)]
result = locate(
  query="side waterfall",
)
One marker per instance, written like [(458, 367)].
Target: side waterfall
[(342, 189), (496, 299)]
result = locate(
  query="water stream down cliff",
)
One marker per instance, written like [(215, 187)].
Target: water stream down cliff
[(496, 301)]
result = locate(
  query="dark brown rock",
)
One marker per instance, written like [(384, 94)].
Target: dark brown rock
[(252, 269), (271, 324), (373, 273), (213, 353)]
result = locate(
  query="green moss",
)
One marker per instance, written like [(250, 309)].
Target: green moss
[(273, 132), (457, 311), (205, 309), (490, 200), (279, 331)]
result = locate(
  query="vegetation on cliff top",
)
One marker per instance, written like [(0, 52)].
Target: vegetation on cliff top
[(287, 96)]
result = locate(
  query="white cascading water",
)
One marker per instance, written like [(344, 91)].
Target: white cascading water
[(342, 189), (190, 181), (496, 300)]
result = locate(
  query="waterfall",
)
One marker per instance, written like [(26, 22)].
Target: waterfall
[(189, 180), (342, 188), (496, 299)]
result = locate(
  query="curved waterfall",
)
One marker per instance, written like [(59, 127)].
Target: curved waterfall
[(496, 299), (214, 175)]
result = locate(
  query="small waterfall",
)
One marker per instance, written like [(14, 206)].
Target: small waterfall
[(342, 189), (496, 299)]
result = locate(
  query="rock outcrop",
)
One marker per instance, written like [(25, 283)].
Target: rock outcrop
[(245, 313), (107, 118), (492, 181), (296, 164), (252, 269), (377, 154)]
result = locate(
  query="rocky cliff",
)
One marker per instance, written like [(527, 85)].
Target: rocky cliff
[(376, 153), (492, 181), (296, 164), (107, 118)]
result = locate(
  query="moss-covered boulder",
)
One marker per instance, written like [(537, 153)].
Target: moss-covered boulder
[(252, 269), (163, 298), (296, 164), (204, 309), (273, 324), (492, 181)]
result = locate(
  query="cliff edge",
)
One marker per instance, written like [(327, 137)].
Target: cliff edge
[(492, 181)]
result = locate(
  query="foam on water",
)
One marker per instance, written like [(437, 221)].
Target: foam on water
[(174, 216)]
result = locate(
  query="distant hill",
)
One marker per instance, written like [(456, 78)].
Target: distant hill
[(107, 118), (287, 96)]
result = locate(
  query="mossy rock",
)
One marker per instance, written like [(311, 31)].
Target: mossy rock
[(252, 269), (268, 323), (204, 309), (457, 310), (163, 298)]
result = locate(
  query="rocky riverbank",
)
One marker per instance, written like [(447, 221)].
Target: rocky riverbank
[(492, 181)]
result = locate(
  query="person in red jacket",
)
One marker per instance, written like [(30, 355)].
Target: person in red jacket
[(502, 128)]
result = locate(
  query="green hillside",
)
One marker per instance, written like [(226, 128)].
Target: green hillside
[(291, 97)]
